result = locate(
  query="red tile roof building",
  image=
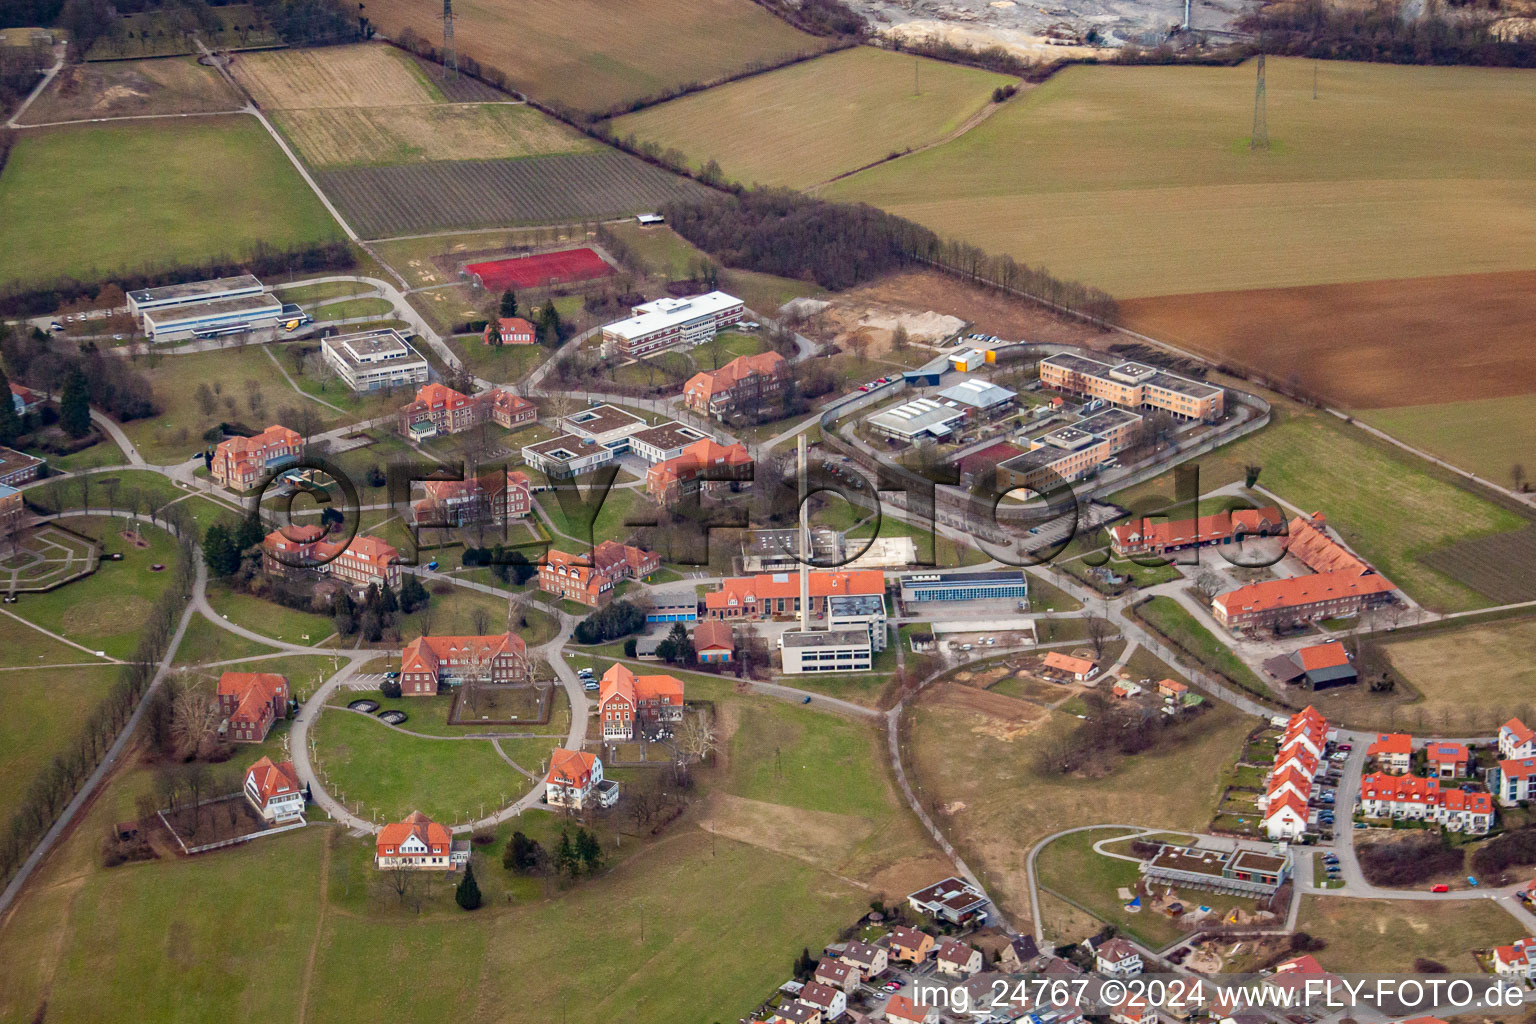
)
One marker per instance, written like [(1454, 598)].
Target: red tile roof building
[(510, 330), (1517, 958), (628, 700), (714, 642), (590, 580), (901, 1010), (432, 661), (744, 384), (438, 409), (1159, 536), (1418, 799), (1447, 760), (1393, 752), (241, 462), (701, 464), (1079, 669), (1309, 542), (361, 561), (418, 843), (769, 594), (1517, 780), (575, 780), (493, 497), (274, 790), (250, 702), (1289, 788), (1300, 599), (1516, 740)]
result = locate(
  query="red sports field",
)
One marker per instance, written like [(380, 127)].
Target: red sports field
[(543, 268)]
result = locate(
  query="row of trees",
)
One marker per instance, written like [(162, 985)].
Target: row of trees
[(53, 787)]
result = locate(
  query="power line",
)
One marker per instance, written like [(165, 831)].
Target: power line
[(450, 54)]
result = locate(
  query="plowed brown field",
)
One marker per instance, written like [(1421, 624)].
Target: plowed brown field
[(1372, 345)]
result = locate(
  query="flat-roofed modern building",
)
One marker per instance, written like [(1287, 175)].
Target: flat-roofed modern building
[(374, 360), (1065, 454), (212, 318), (842, 650), (1133, 386), (859, 611), (606, 425), (669, 322), (918, 419), (666, 441), (1244, 872), (567, 455), (1117, 426), (18, 467), (141, 300), (1004, 584)]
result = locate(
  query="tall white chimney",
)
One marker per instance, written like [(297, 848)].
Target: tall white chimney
[(805, 535)]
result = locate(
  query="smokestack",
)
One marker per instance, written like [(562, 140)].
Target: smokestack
[(805, 537)]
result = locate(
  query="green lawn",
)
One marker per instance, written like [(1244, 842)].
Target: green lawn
[(89, 201), (804, 124), (205, 642), (44, 709), (1385, 504), (268, 617), (1140, 179), (392, 774), (103, 453), (106, 610), (1457, 432), (352, 308), (791, 754), (302, 293), (430, 715), (1166, 616), (153, 490), (617, 506)]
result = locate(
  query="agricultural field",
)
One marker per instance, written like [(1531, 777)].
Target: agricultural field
[(363, 75), (132, 88), (1391, 508), (1366, 346), (1488, 437), (89, 201), (329, 137), (1483, 672), (593, 56), (973, 756), (448, 195), (1140, 180), (812, 121)]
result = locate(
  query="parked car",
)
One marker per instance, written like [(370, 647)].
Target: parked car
[(432, 566), (55, 326), (589, 685), (1442, 887)]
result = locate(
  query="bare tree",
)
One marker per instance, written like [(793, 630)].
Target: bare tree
[(400, 878), (1517, 476), (1099, 632), (480, 620), (1210, 583), (194, 775), (194, 720), (698, 738)]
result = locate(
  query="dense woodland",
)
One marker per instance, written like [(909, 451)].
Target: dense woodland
[(1314, 28), (109, 380)]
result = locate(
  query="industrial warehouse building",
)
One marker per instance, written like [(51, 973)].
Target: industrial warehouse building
[(982, 398), (670, 322), (212, 318), (375, 360), (142, 300), (920, 418), (1006, 584)]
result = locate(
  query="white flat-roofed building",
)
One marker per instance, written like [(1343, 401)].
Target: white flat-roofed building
[(212, 317), (983, 398), (859, 611), (917, 419), (606, 425), (373, 360), (141, 300), (670, 322), (839, 650), (666, 441), (567, 455)]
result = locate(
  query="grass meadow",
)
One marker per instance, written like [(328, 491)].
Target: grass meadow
[(1488, 437), (812, 121), (43, 711), (89, 201), (1368, 936), (592, 56), (1140, 179)]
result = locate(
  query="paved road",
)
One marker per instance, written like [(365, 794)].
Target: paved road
[(58, 62)]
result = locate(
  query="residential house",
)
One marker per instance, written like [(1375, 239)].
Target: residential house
[(250, 702), (629, 702), (829, 1000), (1448, 760), (869, 960), (1393, 752), (910, 944), (1117, 958), (795, 1013), (1133, 1009), (240, 463), (418, 844), (1302, 975), (1412, 798), (1518, 958), (509, 330), (714, 642), (431, 662), (1517, 780), (1079, 670), (1020, 954), (1515, 740), (702, 466), (901, 1010), (274, 791), (837, 974), (575, 780), (746, 384), (957, 959), (953, 900)]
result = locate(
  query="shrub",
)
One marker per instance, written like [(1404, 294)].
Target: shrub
[(1409, 862)]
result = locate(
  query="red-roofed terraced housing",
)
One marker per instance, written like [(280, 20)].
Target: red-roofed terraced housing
[(1412, 798), (1447, 760), (1393, 752), (629, 703), (240, 463), (1289, 788), (250, 702), (429, 662), (1160, 537)]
